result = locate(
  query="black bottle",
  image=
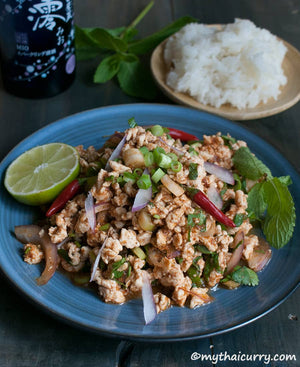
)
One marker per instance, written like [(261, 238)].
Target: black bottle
[(37, 46)]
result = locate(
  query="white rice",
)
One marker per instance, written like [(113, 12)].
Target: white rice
[(240, 65)]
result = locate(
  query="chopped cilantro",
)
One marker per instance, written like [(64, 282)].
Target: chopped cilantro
[(245, 276)]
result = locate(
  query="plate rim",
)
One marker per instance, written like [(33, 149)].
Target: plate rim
[(139, 337)]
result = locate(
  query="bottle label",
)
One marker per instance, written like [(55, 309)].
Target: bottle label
[(43, 37)]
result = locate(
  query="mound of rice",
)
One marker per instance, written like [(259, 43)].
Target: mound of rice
[(240, 64)]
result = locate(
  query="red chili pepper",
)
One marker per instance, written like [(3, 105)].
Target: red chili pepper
[(182, 135), (68, 193), (203, 201)]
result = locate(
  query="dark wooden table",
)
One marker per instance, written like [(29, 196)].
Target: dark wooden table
[(28, 336)]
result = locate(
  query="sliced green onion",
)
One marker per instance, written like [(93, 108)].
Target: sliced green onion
[(138, 172), (144, 150), (149, 159), (132, 123), (154, 188), (144, 182), (157, 130), (176, 166), (105, 227), (157, 175), (139, 253), (173, 156), (27, 250), (156, 216), (157, 152), (164, 161), (129, 177)]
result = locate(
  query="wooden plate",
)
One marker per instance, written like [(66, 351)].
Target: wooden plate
[(290, 93)]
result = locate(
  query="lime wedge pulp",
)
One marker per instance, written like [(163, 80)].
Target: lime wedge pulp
[(37, 176)]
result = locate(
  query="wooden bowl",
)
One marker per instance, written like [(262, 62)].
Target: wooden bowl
[(290, 93)]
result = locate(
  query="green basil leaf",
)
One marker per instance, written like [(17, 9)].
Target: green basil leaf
[(115, 32), (86, 48), (136, 80), (107, 69), (104, 39), (149, 43)]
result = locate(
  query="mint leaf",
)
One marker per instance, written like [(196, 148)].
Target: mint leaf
[(106, 40), (245, 276), (286, 180), (248, 165), (149, 43), (136, 80), (256, 200), (107, 69), (278, 225)]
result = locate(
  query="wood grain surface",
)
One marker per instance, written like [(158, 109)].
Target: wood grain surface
[(28, 336)]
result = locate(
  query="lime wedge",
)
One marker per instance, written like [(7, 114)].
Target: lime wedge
[(38, 175)]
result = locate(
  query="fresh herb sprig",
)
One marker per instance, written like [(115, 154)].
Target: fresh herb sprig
[(269, 201), (120, 51)]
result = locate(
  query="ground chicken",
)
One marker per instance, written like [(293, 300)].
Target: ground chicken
[(33, 254)]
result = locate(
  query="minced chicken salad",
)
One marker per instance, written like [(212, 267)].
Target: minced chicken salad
[(160, 214)]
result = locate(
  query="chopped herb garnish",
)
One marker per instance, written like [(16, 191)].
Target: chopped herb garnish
[(104, 227), (27, 250), (115, 266), (228, 140), (211, 263), (156, 216), (202, 249), (129, 270), (64, 254), (245, 276), (239, 219), (193, 171), (194, 274), (192, 151), (132, 123), (78, 244)]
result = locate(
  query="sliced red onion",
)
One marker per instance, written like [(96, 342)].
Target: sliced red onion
[(90, 211), (237, 253), (176, 150), (67, 239), (173, 254), (215, 197), (222, 173), (115, 154), (142, 197), (38, 236), (260, 256), (97, 260), (148, 299), (28, 234)]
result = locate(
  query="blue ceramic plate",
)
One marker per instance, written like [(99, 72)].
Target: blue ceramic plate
[(82, 307)]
